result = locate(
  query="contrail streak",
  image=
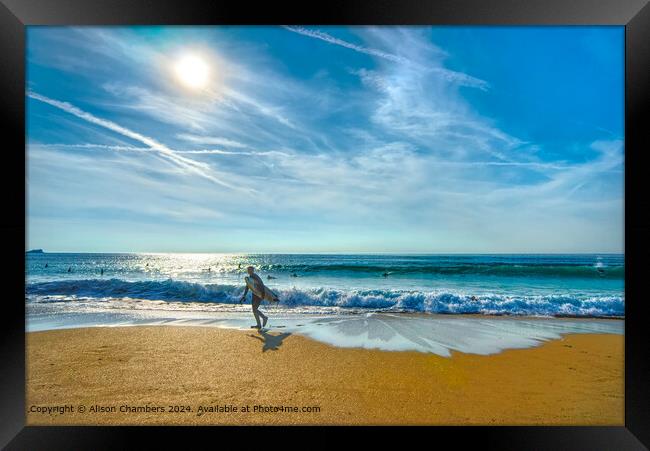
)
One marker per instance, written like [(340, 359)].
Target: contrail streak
[(196, 167)]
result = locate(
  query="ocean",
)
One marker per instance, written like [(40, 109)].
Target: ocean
[(581, 285)]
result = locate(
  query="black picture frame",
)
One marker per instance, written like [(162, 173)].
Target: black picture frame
[(633, 14)]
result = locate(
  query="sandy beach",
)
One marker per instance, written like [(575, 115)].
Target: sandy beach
[(200, 375)]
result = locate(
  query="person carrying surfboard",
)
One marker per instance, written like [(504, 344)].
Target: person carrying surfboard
[(258, 290)]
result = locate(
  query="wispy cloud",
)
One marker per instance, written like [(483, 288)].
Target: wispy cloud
[(211, 140), (317, 34), (120, 148), (449, 75), (96, 146), (274, 113)]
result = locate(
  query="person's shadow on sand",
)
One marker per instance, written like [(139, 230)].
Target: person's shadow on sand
[(270, 342)]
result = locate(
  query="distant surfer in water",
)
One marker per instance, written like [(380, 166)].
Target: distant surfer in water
[(259, 287), (269, 277)]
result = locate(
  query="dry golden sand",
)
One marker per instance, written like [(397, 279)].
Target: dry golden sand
[(575, 380)]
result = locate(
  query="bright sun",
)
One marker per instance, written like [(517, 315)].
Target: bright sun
[(192, 71)]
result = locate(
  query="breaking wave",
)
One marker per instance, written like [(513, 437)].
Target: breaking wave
[(392, 300)]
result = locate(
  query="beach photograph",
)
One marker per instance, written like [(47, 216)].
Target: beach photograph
[(325, 225)]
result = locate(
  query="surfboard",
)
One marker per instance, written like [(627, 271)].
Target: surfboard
[(268, 295)]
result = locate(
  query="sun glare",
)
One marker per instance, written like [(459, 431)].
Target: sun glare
[(192, 71)]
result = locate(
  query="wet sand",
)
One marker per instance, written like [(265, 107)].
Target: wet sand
[(576, 380)]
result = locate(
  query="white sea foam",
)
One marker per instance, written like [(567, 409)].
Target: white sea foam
[(438, 334)]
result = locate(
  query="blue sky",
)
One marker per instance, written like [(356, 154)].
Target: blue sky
[(325, 139)]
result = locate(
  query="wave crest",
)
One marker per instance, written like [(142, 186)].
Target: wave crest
[(394, 300)]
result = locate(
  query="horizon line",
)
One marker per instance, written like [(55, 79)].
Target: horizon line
[(326, 253)]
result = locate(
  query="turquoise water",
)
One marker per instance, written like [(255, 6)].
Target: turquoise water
[(544, 285)]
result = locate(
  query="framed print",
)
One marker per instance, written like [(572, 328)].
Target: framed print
[(419, 214)]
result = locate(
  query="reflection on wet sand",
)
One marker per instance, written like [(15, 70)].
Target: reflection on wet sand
[(441, 335)]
